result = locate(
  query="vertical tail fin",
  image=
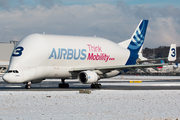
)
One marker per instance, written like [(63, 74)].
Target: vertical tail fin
[(137, 41), (138, 37), (162, 62), (172, 53)]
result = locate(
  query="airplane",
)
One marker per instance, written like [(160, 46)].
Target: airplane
[(41, 56), (169, 68), (171, 57)]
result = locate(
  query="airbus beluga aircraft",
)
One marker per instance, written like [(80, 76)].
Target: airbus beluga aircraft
[(40, 56)]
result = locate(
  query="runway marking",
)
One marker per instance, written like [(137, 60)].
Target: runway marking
[(135, 81), (12, 86)]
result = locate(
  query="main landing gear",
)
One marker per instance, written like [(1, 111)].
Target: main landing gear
[(96, 85), (63, 84), (28, 85)]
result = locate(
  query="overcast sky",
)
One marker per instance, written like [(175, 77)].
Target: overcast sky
[(112, 19)]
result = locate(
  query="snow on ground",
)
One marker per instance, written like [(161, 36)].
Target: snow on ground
[(99, 105)]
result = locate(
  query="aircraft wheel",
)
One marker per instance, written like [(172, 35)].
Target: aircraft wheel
[(92, 85), (96, 86), (66, 85), (28, 86), (60, 85), (99, 86)]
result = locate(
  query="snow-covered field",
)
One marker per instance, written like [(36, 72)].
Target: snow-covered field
[(99, 105)]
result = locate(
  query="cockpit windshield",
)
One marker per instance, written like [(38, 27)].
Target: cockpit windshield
[(12, 71)]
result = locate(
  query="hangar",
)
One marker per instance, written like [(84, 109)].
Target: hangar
[(5, 54)]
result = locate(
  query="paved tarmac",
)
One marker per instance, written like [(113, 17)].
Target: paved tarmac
[(107, 84)]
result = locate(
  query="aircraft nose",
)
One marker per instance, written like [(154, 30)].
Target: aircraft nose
[(12, 78), (6, 78)]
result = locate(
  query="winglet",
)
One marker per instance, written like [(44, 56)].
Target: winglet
[(172, 53)]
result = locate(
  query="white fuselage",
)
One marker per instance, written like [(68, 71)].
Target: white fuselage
[(39, 56)]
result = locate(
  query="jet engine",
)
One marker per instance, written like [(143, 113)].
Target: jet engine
[(88, 77)]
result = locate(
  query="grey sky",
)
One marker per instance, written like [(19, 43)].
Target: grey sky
[(116, 21)]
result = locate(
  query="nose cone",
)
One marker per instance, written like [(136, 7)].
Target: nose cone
[(7, 78), (12, 78)]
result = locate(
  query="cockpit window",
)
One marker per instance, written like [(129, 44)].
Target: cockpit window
[(13, 71), (10, 71)]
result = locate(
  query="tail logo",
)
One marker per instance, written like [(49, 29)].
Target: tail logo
[(173, 52), (138, 37), (137, 41)]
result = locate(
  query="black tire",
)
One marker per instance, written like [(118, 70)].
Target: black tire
[(28, 86), (92, 85), (66, 85), (99, 86), (96, 86), (60, 85), (63, 85)]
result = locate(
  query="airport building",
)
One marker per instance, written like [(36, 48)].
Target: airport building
[(5, 54), (6, 51)]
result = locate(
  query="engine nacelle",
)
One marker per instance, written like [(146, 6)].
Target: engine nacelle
[(87, 77)]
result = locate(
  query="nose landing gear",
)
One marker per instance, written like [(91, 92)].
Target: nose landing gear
[(28, 85)]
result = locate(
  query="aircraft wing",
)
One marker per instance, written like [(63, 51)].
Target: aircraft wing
[(148, 60), (171, 57), (119, 67)]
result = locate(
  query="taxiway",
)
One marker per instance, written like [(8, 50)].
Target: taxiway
[(116, 83)]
